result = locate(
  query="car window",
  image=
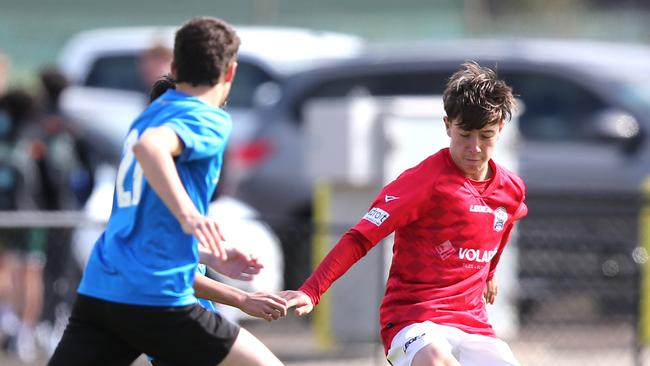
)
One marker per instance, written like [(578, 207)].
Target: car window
[(414, 83), (115, 72), (377, 84), (384, 85), (121, 72), (554, 108), (247, 79)]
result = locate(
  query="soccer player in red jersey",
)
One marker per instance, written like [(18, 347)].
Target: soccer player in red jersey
[(452, 215)]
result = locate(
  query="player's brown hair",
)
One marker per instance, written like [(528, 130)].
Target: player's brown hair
[(475, 97), (203, 48)]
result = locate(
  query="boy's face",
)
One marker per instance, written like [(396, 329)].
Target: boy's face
[(471, 150)]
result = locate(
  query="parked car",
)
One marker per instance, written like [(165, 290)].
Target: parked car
[(109, 92), (584, 124)]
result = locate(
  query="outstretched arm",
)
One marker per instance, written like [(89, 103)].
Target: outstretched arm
[(155, 152), (410, 198), (351, 247), (259, 304), (238, 265)]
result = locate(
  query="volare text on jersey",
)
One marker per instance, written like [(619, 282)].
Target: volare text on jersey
[(476, 255)]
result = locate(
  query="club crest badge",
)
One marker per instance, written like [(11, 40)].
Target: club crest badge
[(500, 218)]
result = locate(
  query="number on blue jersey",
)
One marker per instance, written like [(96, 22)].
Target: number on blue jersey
[(134, 180)]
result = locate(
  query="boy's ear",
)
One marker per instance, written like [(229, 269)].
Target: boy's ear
[(447, 122), (230, 72)]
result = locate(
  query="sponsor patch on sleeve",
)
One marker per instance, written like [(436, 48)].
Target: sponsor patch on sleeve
[(376, 215)]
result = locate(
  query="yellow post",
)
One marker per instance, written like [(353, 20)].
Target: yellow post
[(644, 239), (320, 248)]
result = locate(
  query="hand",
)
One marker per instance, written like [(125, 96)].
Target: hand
[(238, 265), (490, 292), (207, 233), (299, 299), (264, 306)]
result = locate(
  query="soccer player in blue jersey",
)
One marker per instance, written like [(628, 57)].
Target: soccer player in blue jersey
[(239, 265), (136, 295)]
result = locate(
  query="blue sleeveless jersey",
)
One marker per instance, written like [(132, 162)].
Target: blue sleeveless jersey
[(143, 257)]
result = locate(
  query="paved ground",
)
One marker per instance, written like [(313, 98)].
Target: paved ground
[(606, 344), (290, 339)]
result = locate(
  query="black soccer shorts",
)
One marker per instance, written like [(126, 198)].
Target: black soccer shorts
[(106, 333)]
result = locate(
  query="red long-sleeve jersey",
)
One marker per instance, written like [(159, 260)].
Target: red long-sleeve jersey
[(448, 241)]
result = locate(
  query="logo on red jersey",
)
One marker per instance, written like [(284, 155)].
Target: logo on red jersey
[(476, 255), (445, 249), (376, 215), (500, 218), (388, 198), (480, 208)]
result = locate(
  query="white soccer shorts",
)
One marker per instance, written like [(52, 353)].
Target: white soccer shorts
[(468, 349)]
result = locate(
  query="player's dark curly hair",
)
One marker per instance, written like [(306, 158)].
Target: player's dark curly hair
[(161, 85), (203, 48), (475, 97)]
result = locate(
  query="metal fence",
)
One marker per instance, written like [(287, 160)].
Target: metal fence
[(579, 280), (580, 268)]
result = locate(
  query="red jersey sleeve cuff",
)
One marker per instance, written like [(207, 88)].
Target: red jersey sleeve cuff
[(490, 275), (315, 299)]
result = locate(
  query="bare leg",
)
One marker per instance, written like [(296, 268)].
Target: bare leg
[(29, 278), (249, 351), (9, 321), (430, 355), (33, 292)]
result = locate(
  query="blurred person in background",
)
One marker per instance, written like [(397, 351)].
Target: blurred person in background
[(8, 186), (21, 249), (63, 171), (44, 156), (64, 160), (153, 64), (452, 216), (137, 292), (4, 72)]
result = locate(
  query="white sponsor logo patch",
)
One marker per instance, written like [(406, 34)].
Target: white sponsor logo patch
[(376, 215), (389, 198), (500, 218)]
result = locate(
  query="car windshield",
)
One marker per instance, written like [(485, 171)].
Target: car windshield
[(637, 94), (121, 72)]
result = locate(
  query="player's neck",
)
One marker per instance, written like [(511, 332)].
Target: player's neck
[(482, 175), (213, 95)]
